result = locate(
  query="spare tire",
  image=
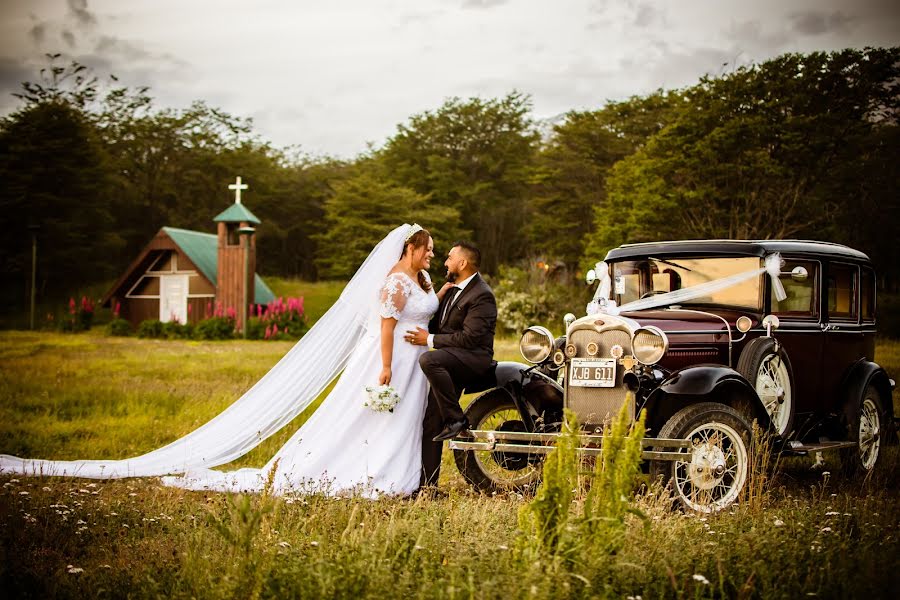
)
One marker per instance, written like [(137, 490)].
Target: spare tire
[(768, 369)]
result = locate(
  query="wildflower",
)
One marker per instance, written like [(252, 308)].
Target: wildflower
[(779, 523), (314, 543), (700, 578), (502, 547), (825, 530), (106, 566), (284, 544), (46, 489), (831, 513), (23, 493), (73, 570)]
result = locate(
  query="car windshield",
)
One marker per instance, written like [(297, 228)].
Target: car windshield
[(636, 279)]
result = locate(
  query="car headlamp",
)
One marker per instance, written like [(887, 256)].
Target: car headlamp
[(649, 344), (536, 344)]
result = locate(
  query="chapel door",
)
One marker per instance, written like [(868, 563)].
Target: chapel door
[(173, 290)]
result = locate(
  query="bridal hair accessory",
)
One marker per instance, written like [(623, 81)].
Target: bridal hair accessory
[(413, 230), (381, 398)]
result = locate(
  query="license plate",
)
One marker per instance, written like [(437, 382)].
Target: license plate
[(593, 372)]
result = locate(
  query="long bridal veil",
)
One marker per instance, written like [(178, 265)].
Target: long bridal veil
[(282, 394)]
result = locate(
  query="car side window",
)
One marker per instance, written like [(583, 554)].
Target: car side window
[(842, 292), (802, 294), (867, 295)]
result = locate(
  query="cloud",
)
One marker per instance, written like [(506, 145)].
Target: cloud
[(79, 10), (483, 4), (113, 47), (12, 74), (646, 14), (37, 33), (752, 38), (818, 23), (69, 38)]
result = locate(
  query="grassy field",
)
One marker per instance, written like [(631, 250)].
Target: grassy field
[(809, 534)]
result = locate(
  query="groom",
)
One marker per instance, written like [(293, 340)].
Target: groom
[(461, 336)]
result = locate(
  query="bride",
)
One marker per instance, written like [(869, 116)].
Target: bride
[(345, 447)]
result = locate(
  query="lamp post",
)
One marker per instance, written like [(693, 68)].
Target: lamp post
[(245, 232), (34, 231)]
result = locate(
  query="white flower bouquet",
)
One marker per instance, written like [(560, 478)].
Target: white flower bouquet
[(381, 398)]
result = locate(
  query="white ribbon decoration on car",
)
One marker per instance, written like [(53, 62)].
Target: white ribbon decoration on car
[(772, 266)]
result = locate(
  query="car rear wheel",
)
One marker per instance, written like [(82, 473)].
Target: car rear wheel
[(716, 466), (768, 369), (493, 470), (865, 426)]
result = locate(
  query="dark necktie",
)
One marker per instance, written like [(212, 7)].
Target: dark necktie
[(451, 294)]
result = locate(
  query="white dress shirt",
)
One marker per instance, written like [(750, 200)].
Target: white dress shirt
[(460, 287)]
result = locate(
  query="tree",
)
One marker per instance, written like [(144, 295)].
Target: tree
[(753, 154), (474, 156), (572, 169), (363, 209), (56, 175)]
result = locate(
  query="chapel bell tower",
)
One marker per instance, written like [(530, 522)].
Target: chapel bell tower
[(236, 265)]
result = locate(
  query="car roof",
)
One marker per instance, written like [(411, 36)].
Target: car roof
[(759, 248)]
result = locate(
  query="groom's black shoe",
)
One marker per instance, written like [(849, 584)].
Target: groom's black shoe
[(452, 429)]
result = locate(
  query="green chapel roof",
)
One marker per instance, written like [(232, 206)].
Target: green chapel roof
[(202, 249), (237, 213)]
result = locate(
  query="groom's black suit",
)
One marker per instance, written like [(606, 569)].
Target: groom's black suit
[(463, 353)]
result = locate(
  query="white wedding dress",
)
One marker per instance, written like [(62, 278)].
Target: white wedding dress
[(344, 448)]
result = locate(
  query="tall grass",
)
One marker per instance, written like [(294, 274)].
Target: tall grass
[(89, 396)]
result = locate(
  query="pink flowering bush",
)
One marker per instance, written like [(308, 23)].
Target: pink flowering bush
[(79, 316), (280, 319)]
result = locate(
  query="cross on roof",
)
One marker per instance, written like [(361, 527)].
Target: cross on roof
[(237, 186)]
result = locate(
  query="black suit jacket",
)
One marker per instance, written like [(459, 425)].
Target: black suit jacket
[(468, 330)]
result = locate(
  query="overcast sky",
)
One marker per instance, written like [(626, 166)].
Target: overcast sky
[(334, 75)]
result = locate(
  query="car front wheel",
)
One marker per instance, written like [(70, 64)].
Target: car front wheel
[(716, 466), (494, 470)]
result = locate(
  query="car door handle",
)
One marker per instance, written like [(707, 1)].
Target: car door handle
[(828, 327)]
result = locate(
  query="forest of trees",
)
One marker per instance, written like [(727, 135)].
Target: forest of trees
[(801, 146)]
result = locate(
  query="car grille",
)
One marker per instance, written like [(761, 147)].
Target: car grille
[(595, 406)]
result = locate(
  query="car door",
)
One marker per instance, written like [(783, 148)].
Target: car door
[(800, 332), (844, 341)]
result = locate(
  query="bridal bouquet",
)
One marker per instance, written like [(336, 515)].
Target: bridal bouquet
[(381, 398)]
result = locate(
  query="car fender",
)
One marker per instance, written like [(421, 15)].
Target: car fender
[(861, 374), (529, 389), (700, 383)]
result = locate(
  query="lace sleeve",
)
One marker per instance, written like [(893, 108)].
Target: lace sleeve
[(396, 290)]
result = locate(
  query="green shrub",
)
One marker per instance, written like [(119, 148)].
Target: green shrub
[(173, 330), (527, 296), (151, 328), (577, 520), (216, 328), (119, 327), (256, 329)]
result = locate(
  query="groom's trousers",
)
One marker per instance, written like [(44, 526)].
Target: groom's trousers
[(447, 376)]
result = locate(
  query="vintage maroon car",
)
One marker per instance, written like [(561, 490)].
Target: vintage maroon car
[(709, 336)]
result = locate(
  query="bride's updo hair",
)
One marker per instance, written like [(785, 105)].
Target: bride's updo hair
[(417, 240)]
